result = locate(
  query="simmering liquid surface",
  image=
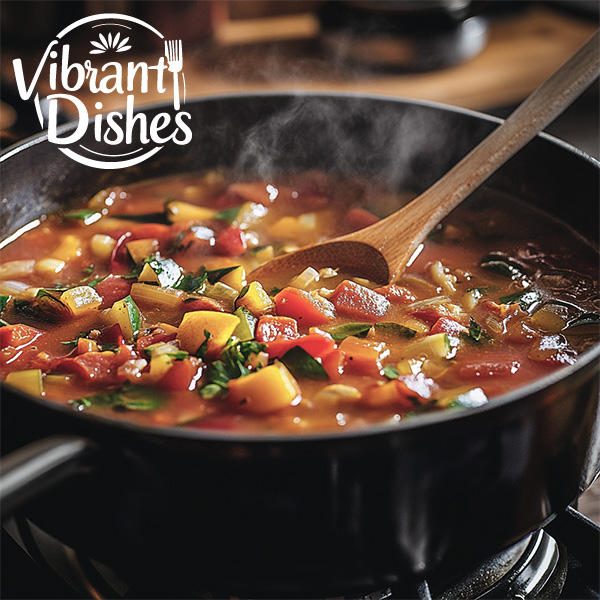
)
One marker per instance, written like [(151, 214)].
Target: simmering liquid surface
[(138, 306)]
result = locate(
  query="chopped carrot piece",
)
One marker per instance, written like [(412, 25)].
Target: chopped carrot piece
[(361, 356), (359, 302), (271, 328), (307, 309)]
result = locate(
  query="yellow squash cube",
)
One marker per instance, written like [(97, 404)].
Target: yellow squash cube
[(81, 299), (191, 331), (265, 391)]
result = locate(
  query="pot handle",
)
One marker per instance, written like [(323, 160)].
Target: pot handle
[(37, 467)]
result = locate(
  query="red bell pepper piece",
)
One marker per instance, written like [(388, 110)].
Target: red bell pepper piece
[(303, 307), (270, 328), (359, 302), (18, 336), (231, 242)]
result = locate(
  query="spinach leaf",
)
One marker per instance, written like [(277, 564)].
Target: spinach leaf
[(192, 283), (302, 364)]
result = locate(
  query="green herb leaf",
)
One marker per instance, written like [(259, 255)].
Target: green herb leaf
[(211, 390), (126, 398), (3, 302), (178, 355), (228, 214), (302, 364), (96, 281), (217, 274), (504, 267), (88, 216), (191, 283), (233, 360), (168, 272), (201, 352), (88, 270), (585, 319), (395, 329), (391, 372), (474, 329), (526, 299), (339, 332)]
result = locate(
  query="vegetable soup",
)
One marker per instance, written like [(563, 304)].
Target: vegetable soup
[(139, 306)]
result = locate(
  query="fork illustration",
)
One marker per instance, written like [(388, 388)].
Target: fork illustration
[(175, 59)]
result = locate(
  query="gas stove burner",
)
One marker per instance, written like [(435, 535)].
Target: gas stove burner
[(408, 36), (535, 567)]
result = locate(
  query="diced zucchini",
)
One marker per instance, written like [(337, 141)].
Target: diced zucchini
[(220, 291), (249, 214), (432, 346), (235, 278), (220, 326), (28, 381), (183, 211), (127, 315), (164, 271), (81, 299), (158, 297), (268, 390), (102, 245), (142, 249), (255, 299), (247, 325), (49, 266)]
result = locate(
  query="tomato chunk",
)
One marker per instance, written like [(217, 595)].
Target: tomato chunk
[(271, 328), (112, 289), (231, 242), (16, 348), (359, 302), (316, 344), (448, 326), (96, 367), (183, 375), (362, 357), (305, 308)]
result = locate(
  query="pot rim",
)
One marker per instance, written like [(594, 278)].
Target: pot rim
[(527, 392)]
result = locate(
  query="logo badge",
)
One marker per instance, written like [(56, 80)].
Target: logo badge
[(107, 66)]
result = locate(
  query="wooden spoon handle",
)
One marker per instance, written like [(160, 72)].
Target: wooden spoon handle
[(398, 235)]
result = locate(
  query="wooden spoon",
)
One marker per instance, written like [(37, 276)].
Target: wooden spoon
[(380, 252)]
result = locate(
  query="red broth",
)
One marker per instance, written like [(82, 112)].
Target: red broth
[(137, 306)]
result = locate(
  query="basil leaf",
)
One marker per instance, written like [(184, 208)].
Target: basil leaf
[(340, 332), (302, 364), (228, 214), (211, 390), (395, 329)]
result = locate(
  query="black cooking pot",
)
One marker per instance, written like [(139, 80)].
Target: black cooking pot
[(321, 513)]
